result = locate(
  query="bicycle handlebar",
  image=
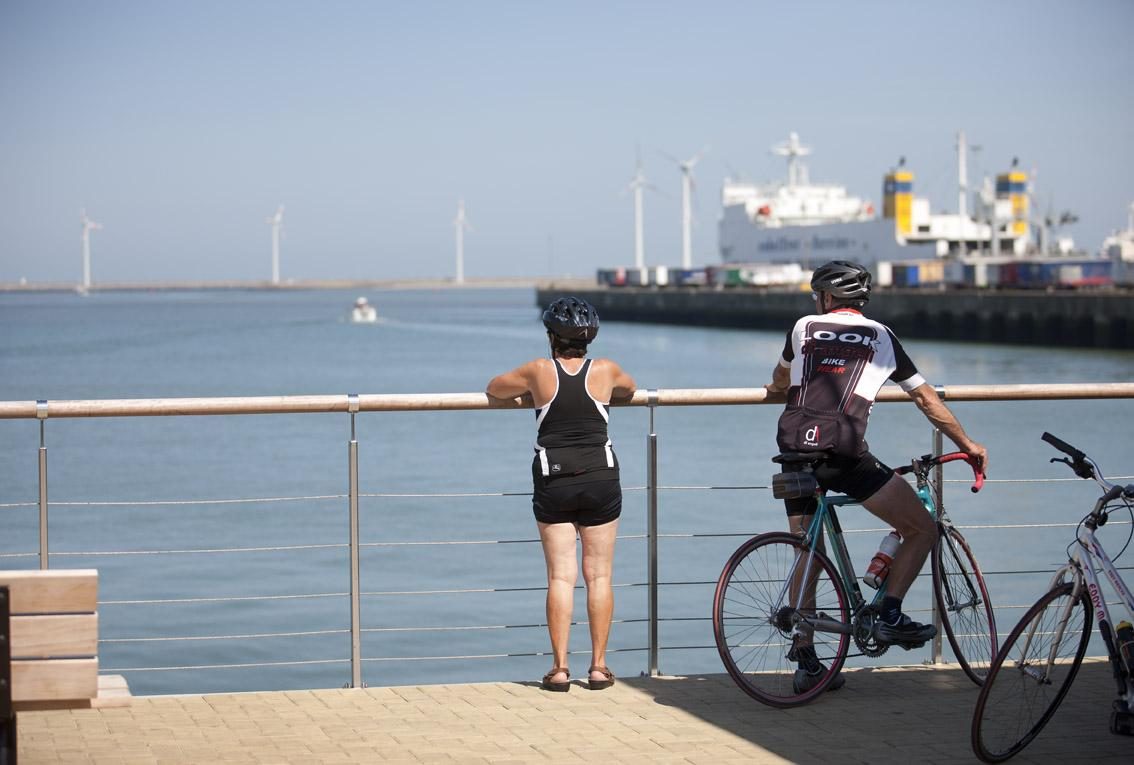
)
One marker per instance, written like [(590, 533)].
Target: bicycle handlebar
[(941, 459), (1079, 462), (1063, 446)]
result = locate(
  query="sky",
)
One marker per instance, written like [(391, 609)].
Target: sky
[(181, 126)]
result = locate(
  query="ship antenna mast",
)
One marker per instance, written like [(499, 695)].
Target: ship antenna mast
[(793, 150), (962, 175)]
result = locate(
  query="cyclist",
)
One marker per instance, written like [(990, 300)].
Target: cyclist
[(575, 475), (833, 364)]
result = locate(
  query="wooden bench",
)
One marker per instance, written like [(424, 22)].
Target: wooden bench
[(49, 647)]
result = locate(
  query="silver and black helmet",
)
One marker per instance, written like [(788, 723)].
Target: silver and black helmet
[(572, 319), (843, 280)]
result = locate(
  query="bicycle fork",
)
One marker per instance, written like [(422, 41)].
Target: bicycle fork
[(1042, 675)]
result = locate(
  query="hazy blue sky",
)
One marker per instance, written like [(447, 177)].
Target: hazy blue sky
[(180, 126)]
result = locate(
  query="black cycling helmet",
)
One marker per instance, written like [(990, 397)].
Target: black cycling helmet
[(843, 280), (572, 319)]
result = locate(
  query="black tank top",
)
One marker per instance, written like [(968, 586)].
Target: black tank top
[(573, 444)]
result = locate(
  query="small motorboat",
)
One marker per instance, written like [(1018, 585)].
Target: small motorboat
[(363, 312)]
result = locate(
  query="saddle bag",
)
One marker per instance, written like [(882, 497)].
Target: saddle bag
[(798, 485)]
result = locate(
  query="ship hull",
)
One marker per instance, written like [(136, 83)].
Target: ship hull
[(866, 242)]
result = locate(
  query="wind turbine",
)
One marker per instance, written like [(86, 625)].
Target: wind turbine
[(460, 223), (636, 185), (88, 226), (686, 168), (276, 222)]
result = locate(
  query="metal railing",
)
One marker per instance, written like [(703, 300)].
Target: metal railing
[(354, 404)]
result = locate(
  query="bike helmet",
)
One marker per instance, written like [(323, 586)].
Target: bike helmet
[(843, 281), (572, 319)]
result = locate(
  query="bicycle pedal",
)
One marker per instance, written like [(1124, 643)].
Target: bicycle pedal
[(1122, 723), (910, 646)]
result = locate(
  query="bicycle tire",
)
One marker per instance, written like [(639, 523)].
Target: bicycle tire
[(963, 604), (1014, 706), (752, 644)]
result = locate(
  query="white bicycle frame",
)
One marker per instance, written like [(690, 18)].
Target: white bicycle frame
[(1088, 556)]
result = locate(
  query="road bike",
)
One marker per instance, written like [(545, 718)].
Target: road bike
[(764, 607), (1042, 654)]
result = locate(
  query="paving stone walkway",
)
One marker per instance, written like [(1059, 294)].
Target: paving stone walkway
[(886, 715)]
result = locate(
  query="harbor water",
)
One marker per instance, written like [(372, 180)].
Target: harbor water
[(221, 540)]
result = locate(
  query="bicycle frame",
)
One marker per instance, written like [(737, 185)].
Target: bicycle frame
[(825, 522), (1088, 556)]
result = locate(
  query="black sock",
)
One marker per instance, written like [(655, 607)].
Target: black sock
[(891, 609)]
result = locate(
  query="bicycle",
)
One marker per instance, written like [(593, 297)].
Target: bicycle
[(759, 608), (1041, 656)]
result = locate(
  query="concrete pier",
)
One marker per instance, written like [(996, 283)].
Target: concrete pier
[(1077, 319)]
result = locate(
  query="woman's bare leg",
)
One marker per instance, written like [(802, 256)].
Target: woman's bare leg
[(598, 563), (562, 572)]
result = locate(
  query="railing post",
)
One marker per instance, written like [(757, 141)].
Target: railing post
[(41, 415), (652, 532), (355, 606), (939, 500)]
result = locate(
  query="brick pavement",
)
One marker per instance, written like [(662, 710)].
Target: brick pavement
[(884, 715)]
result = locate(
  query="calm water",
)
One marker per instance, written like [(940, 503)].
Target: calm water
[(263, 343)]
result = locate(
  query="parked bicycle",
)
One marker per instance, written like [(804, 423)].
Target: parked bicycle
[(1042, 655), (763, 607)]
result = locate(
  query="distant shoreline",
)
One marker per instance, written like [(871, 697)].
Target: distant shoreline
[(302, 284)]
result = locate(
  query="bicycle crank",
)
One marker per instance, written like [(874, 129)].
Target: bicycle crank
[(863, 633)]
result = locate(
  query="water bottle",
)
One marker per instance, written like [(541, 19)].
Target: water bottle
[(880, 564), (1124, 634)]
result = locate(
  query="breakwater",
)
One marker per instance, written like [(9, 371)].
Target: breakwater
[(1078, 319)]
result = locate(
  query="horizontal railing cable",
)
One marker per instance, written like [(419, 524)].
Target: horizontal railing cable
[(354, 404)]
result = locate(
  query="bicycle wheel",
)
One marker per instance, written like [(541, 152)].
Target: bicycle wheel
[(963, 604), (753, 615), (1022, 690)]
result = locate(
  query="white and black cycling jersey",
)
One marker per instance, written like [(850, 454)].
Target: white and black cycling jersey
[(838, 362)]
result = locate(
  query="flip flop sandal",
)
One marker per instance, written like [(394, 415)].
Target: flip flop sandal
[(598, 685), (548, 685)]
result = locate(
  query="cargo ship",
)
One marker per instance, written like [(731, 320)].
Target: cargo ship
[(795, 220), (774, 234)]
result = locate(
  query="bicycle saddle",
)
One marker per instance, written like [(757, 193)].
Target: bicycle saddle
[(797, 457)]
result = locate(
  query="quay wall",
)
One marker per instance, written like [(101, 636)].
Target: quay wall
[(1077, 319)]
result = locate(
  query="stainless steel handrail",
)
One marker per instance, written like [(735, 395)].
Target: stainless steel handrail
[(352, 404), (422, 402)]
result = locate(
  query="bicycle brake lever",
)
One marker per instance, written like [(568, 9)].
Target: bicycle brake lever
[(1081, 468)]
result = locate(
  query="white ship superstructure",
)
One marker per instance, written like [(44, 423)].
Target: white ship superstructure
[(1119, 249), (796, 221)]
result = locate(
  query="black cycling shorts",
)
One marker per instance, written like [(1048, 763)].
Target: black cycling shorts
[(586, 503), (858, 477)]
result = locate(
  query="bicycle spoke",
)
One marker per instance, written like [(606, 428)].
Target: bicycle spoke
[(963, 605), (1031, 674), (756, 622)]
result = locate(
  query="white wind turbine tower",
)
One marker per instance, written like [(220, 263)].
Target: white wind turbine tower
[(276, 222), (686, 168), (88, 226), (636, 185), (460, 223)]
